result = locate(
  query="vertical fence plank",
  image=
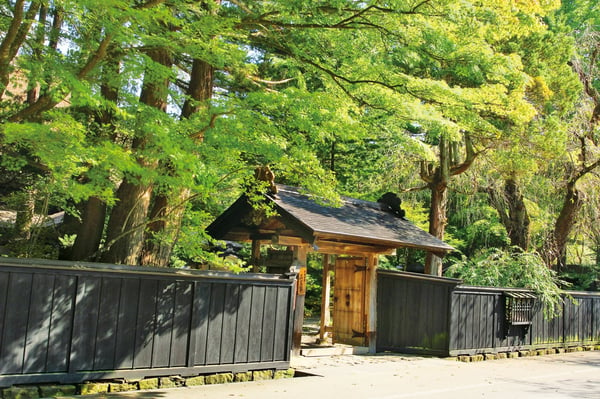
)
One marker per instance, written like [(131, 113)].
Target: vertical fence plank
[(163, 332), (38, 324), (256, 323), (61, 323), (200, 318), (180, 339), (281, 318), (243, 324), (268, 329), (15, 319), (85, 323), (126, 322), (106, 334), (596, 319), (215, 324), (228, 330), (4, 278), (145, 324)]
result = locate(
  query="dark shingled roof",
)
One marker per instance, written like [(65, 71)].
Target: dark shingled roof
[(356, 220)]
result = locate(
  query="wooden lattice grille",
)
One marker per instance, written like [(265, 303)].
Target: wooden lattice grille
[(519, 307)]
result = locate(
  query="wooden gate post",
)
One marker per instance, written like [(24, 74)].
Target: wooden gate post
[(325, 294), (300, 253), (371, 297)]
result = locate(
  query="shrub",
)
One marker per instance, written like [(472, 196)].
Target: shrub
[(512, 268)]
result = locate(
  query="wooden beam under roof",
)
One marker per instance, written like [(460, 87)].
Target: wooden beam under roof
[(349, 248)]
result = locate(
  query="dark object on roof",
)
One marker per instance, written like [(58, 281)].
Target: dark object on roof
[(357, 225), (391, 202)]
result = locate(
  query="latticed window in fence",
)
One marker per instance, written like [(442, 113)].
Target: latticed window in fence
[(519, 307)]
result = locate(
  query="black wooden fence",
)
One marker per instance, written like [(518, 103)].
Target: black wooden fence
[(70, 322), (429, 315)]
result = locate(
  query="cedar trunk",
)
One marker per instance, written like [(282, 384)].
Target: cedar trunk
[(168, 207), (512, 212), (89, 233), (437, 222), (125, 232), (555, 247)]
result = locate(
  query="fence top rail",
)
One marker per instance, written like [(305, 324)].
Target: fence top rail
[(464, 289), (70, 266), (490, 290), (419, 276)]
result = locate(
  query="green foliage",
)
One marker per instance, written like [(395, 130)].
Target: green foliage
[(582, 277), (512, 269), (314, 289)]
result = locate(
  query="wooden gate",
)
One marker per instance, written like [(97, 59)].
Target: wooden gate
[(349, 301)]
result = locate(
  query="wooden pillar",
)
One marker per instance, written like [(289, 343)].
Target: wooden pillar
[(325, 295), (371, 305), (255, 257), (300, 253)]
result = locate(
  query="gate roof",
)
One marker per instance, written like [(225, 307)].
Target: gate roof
[(356, 226)]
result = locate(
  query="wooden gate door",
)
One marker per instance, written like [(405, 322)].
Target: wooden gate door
[(349, 301)]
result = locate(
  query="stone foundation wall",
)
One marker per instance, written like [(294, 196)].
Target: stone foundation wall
[(522, 353), (99, 387)]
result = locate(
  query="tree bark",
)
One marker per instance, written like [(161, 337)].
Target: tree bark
[(125, 231), (555, 247), (89, 234), (437, 179), (512, 212), (168, 206), (91, 228), (437, 222), (14, 38)]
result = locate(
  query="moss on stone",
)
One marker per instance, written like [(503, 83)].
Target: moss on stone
[(91, 388), (148, 383), (243, 377), (57, 391), (261, 375), (122, 387), (222, 378), (280, 374), (21, 392), (194, 381)]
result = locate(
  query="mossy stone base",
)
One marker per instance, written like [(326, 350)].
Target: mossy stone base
[(57, 391), (21, 392), (194, 381), (122, 387), (280, 374), (91, 388), (148, 383), (222, 378), (262, 375), (243, 377)]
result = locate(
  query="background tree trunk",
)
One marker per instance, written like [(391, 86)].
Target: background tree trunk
[(554, 251), (125, 231), (168, 206), (512, 212), (91, 228), (437, 223)]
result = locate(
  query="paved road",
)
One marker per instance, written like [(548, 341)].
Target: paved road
[(574, 375)]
